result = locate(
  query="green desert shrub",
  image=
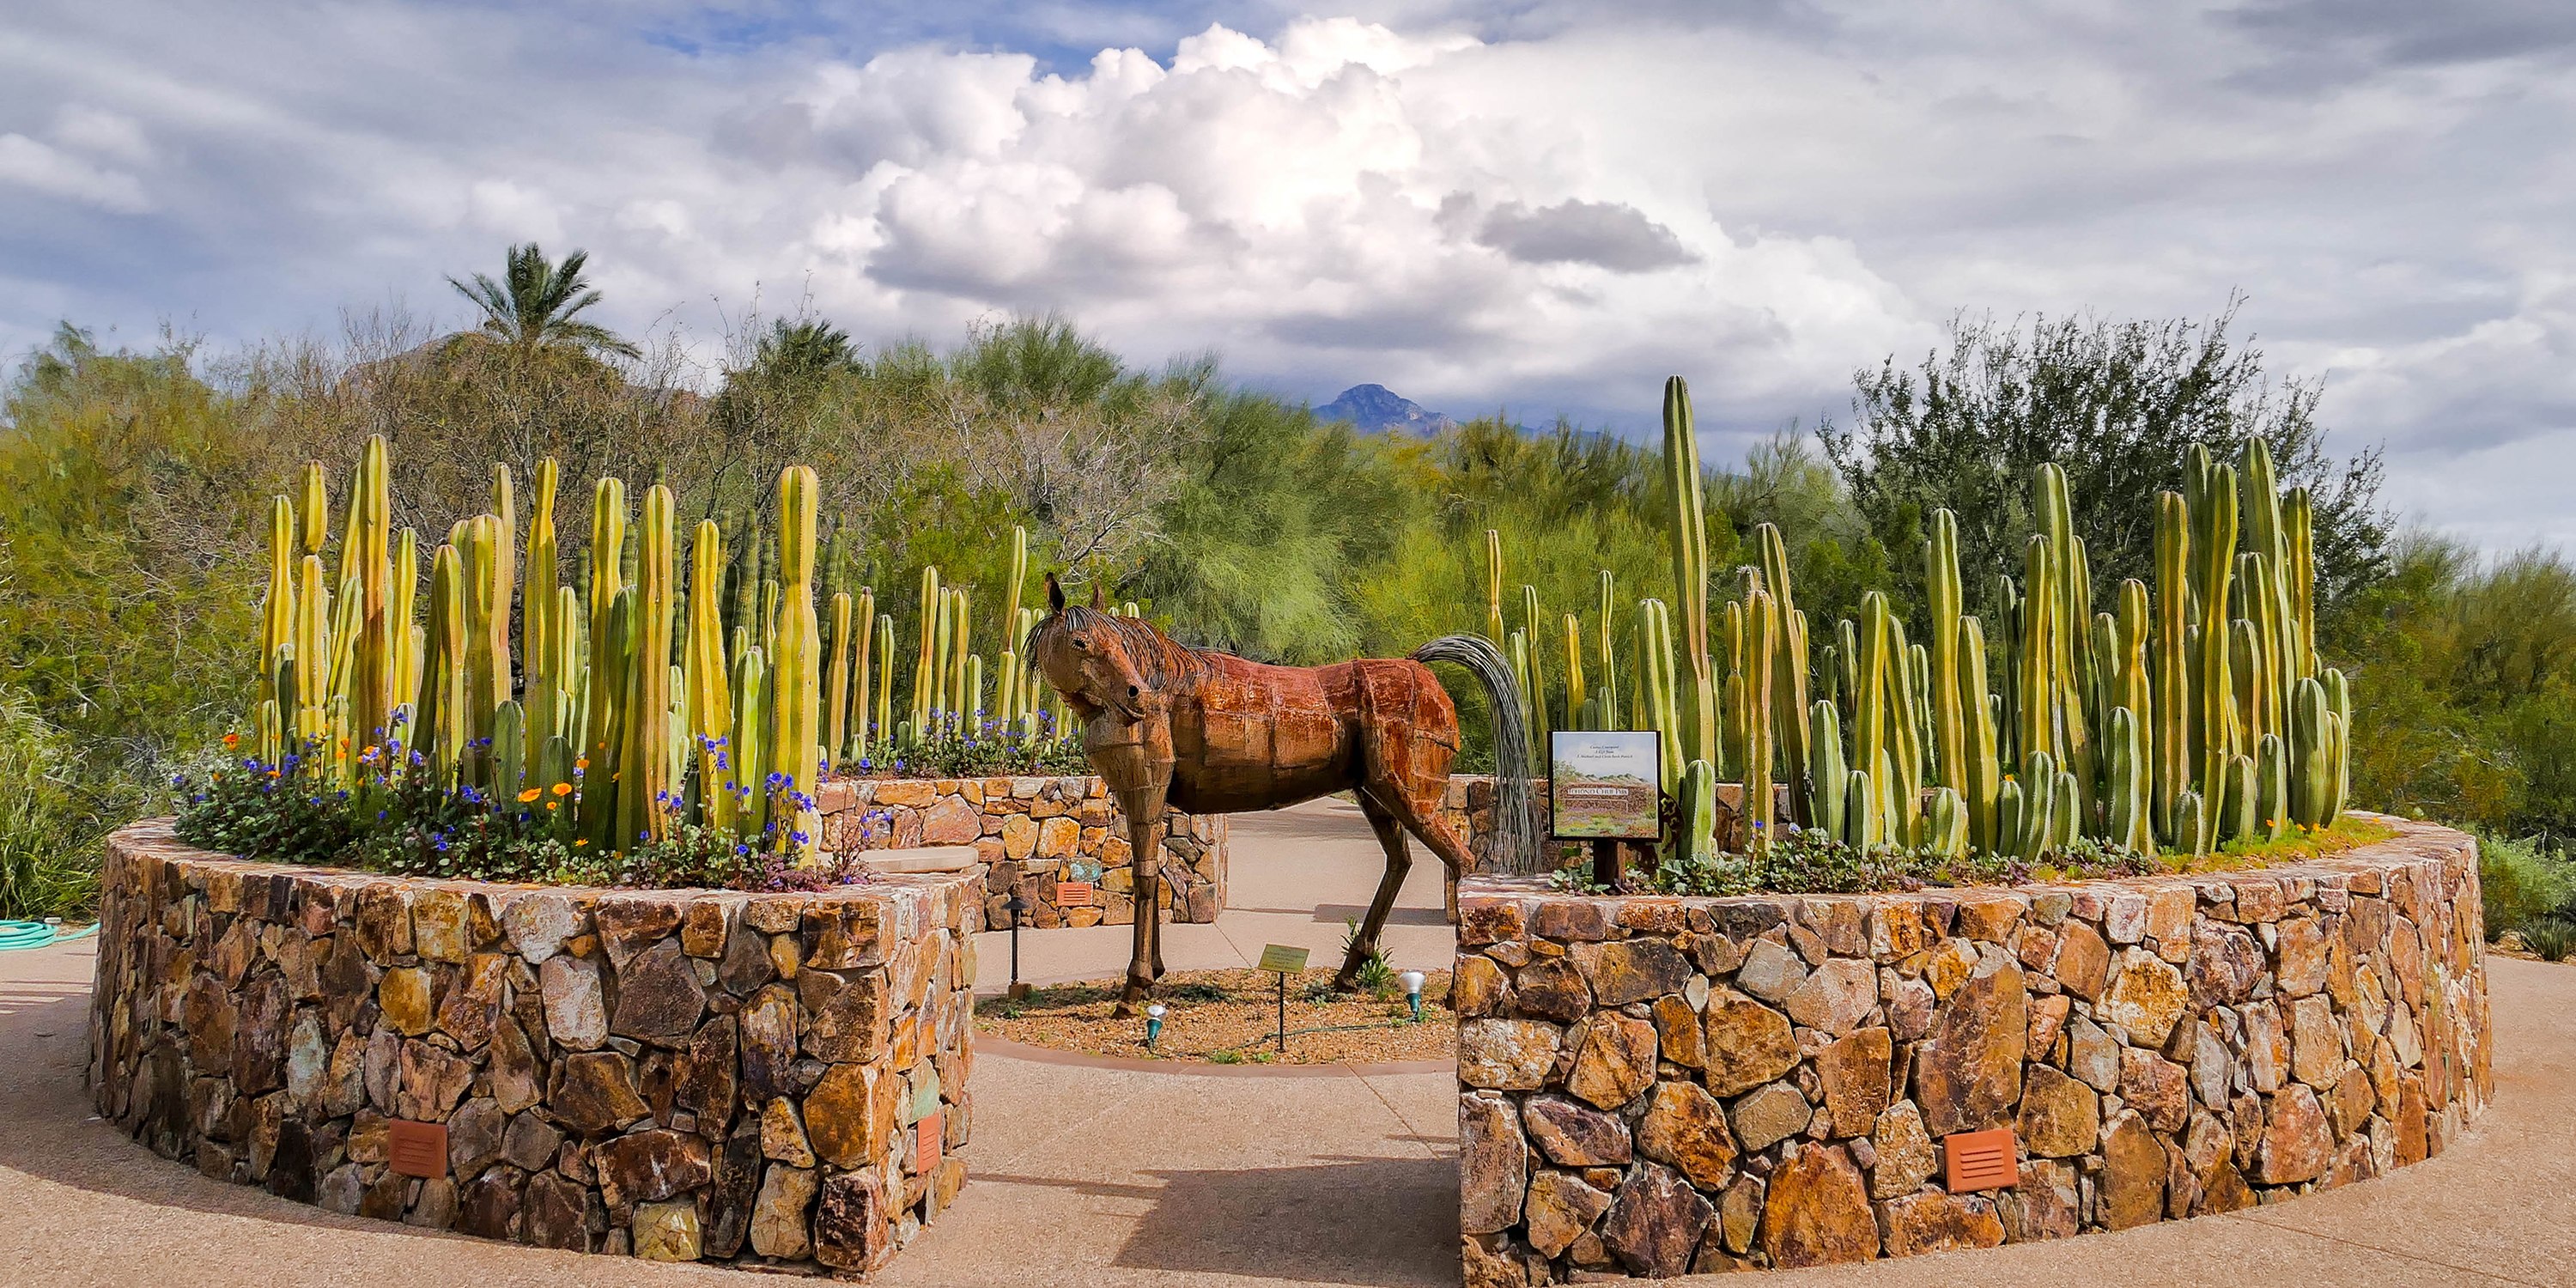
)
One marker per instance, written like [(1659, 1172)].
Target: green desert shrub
[(2522, 883)]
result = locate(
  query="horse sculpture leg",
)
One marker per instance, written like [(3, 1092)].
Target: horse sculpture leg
[(1145, 960), (1390, 834)]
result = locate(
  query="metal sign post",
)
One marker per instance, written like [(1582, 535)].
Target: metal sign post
[(1284, 961)]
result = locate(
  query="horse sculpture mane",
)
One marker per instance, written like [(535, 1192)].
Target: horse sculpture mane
[(1166, 725)]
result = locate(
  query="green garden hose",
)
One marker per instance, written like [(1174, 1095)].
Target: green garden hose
[(37, 934)]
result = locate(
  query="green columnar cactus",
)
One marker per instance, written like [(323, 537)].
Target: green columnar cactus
[(1730, 687), (443, 697), (605, 688), (1864, 824), (751, 744), (1945, 824), (836, 698), (2272, 787), (2066, 809), (942, 649), (2245, 668), (2011, 819), (1575, 695), (1981, 764), (510, 754), (1608, 656), (2213, 546), (2008, 631), (925, 661), (2262, 607), (2038, 807), (960, 634), (2299, 583), (1949, 718), (2339, 705), (1534, 695), (487, 631), (2035, 684), (2128, 795), (312, 653), (2175, 759), (2310, 751), (1762, 644), (1698, 810), (1687, 532), (645, 758), (706, 682), (2192, 824), (1825, 767), (278, 616), (402, 634), (505, 575), (1494, 587), (795, 724), (1789, 683), (612, 684), (537, 625), (863, 618), (367, 549), (1905, 748), (1655, 684), (885, 676), (1870, 700), (2241, 815), (315, 509), (2070, 692)]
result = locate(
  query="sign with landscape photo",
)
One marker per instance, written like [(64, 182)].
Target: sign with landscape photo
[(1603, 786)]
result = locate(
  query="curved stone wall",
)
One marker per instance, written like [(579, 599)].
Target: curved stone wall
[(1035, 835), (681, 1075), (1658, 1085)]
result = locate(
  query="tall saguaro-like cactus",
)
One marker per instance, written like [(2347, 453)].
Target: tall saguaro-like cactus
[(796, 735), (1687, 530)]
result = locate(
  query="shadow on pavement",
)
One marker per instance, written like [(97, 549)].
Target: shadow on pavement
[(1380, 1221)]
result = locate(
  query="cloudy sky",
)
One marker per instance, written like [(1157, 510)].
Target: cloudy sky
[(1541, 205)]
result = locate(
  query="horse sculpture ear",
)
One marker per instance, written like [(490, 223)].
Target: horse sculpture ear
[(1055, 595), (1095, 596)]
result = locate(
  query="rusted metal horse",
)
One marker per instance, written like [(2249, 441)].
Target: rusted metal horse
[(1168, 726)]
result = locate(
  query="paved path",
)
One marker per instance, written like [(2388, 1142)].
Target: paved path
[(1087, 1176)]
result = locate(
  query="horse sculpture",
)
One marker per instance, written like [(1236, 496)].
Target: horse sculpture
[(1169, 726)]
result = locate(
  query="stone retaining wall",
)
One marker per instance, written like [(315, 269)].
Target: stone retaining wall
[(682, 1075), (1660, 1085), (1035, 833)]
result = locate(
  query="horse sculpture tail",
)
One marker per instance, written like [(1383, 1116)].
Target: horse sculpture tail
[(1515, 843)]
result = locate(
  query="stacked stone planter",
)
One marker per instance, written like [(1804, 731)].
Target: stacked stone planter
[(1658, 1085), (1034, 833), (680, 1074)]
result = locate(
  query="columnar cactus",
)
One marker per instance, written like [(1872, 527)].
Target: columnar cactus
[(708, 684), (795, 729), (1789, 680), (1687, 531), (1950, 715)]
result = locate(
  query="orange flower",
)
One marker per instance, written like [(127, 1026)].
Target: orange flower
[(582, 763), (231, 738), (529, 795), (563, 789), (553, 805)]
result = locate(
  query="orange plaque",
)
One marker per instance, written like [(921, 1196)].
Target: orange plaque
[(416, 1149), (925, 1147), (1981, 1160), (1073, 894)]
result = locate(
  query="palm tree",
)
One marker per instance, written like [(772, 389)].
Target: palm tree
[(805, 349), (532, 308)]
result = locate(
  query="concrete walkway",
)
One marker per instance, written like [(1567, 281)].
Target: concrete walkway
[(1089, 1176)]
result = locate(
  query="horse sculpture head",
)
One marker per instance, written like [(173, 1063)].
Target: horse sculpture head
[(1090, 655)]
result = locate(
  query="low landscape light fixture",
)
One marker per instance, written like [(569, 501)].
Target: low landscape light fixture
[(1153, 1024), (1412, 981)]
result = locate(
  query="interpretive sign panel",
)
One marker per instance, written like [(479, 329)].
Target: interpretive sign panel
[(1282, 958), (1605, 786)]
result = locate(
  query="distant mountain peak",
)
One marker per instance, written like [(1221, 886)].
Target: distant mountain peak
[(1377, 409)]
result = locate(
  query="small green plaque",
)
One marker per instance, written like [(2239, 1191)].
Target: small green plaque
[(1282, 958)]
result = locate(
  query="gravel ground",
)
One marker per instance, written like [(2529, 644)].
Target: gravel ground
[(1232, 1017)]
